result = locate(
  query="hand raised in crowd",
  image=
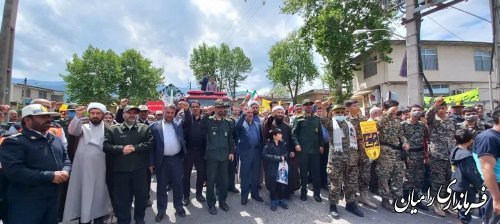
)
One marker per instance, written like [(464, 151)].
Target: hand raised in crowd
[(79, 111), (439, 101), (298, 148), (60, 177), (123, 103), (183, 105), (393, 110), (4, 108)]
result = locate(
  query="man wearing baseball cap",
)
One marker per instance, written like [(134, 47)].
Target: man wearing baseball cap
[(33, 190), (128, 144)]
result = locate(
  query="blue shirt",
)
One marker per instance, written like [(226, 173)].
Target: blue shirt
[(487, 143), (253, 134)]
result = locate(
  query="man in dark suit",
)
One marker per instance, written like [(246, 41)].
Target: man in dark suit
[(167, 157), (250, 150)]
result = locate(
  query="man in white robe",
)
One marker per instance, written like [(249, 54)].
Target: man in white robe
[(88, 198)]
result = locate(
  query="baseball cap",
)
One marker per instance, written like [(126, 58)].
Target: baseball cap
[(307, 102), (338, 107), (131, 107), (143, 108), (36, 110)]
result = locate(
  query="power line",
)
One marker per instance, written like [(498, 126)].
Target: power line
[(445, 28), (245, 25), (472, 14)]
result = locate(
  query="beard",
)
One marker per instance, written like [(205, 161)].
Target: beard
[(95, 121), (279, 119)]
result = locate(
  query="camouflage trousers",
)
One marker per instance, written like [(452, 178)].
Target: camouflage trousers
[(364, 165), (414, 175), (390, 167), (441, 175), (343, 178)]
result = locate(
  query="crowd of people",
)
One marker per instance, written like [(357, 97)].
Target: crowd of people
[(86, 163)]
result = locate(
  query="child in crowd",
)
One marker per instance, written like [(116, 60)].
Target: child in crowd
[(464, 171), (275, 153)]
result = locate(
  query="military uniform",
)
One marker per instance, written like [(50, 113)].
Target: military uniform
[(390, 166), (219, 144), (441, 142), (363, 160), (476, 130), (307, 133), (416, 134), (342, 167)]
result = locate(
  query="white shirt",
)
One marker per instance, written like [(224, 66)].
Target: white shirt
[(171, 145)]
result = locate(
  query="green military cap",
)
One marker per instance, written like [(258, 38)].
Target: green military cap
[(220, 103), (307, 102), (143, 108), (131, 107), (338, 107)]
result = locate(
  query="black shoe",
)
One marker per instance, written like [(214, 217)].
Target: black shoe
[(180, 212), (159, 216), (317, 198), (422, 207), (200, 198), (234, 190), (212, 210), (351, 207), (303, 197), (244, 201), (334, 212), (258, 198), (185, 201), (149, 203), (223, 206)]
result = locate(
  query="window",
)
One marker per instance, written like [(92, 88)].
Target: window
[(429, 59), (438, 89), (58, 98), (42, 94), (370, 67), (482, 60)]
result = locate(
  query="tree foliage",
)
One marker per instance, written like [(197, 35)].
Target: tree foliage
[(329, 26), (291, 64), (226, 65), (102, 76)]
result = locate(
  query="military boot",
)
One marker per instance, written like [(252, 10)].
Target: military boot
[(353, 208), (386, 203), (363, 199), (334, 212)]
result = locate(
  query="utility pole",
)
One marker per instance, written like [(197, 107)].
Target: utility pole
[(414, 72), (495, 12), (7, 34)]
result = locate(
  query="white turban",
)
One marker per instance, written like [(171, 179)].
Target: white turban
[(99, 106), (275, 108)]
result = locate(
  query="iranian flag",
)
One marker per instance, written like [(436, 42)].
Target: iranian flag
[(290, 108), (248, 96), (254, 97)]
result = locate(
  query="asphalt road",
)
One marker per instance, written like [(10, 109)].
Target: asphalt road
[(309, 211)]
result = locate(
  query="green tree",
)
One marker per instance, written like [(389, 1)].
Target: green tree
[(291, 64), (203, 60), (227, 65), (101, 76), (93, 77), (241, 64), (329, 26), (139, 78)]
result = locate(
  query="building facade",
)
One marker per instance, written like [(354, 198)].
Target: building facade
[(451, 67), (21, 94)]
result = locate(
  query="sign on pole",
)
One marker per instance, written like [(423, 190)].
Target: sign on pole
[(154, 106)]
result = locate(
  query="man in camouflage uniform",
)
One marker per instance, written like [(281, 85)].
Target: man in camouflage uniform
[(356, 118), (307, 135), (417, 134), (390, 166), (472, 121), (342, 165), (441, 130)]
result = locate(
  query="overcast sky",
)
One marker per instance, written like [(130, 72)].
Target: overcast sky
[(49, 32)]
